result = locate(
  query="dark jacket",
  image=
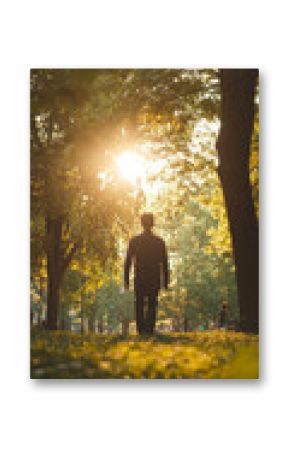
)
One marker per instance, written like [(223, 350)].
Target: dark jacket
[(151, 270)]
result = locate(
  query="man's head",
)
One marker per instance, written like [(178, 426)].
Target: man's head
[(147, 221)]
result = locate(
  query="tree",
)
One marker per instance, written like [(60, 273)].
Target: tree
[(81, 212), (71, 209), (201, 277), (237, 119)]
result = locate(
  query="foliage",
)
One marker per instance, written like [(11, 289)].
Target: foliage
[(81, 120), (71, 121)]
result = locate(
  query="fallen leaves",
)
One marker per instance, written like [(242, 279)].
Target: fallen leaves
[(211, 354)]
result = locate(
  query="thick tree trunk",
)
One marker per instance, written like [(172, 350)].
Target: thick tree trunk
[(57, 262), (52, 299), (237, 116)]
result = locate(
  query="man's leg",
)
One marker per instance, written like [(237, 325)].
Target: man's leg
[(152, 311), (140, 311)]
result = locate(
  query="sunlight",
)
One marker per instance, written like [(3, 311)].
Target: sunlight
[(134, 192), (131, 166)]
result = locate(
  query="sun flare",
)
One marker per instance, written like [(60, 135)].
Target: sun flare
[(131, 166)]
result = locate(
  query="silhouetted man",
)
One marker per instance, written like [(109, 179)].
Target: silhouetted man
[(223, 315), (148, 251)]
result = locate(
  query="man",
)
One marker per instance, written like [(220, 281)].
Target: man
[(148, 251), (223, 316)]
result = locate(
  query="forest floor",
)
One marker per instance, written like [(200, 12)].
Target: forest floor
[(216, 354)]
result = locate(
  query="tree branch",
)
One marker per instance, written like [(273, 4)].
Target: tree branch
[(67, 259)]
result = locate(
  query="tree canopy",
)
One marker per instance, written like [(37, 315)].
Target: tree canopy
[(86, 196)]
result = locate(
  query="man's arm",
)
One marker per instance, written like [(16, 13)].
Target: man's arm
[(165, 267), (127, 264)]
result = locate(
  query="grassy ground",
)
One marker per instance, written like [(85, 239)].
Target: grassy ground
[(206, 355)]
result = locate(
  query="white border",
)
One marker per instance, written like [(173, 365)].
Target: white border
[(220, 414)]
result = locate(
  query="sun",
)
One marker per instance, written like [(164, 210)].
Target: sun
[(131, 166)]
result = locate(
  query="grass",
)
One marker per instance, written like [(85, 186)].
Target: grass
[(193, 355)]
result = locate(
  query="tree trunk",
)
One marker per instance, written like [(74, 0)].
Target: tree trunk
[(42, 300), (92, 317), (52, 300), (100, 326), (39, 316), (237, 116), (125, 327), (92, 323), (53, 229), (57, 262), (82, 314)]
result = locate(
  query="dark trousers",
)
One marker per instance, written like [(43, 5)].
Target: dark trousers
[(146, 311)]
